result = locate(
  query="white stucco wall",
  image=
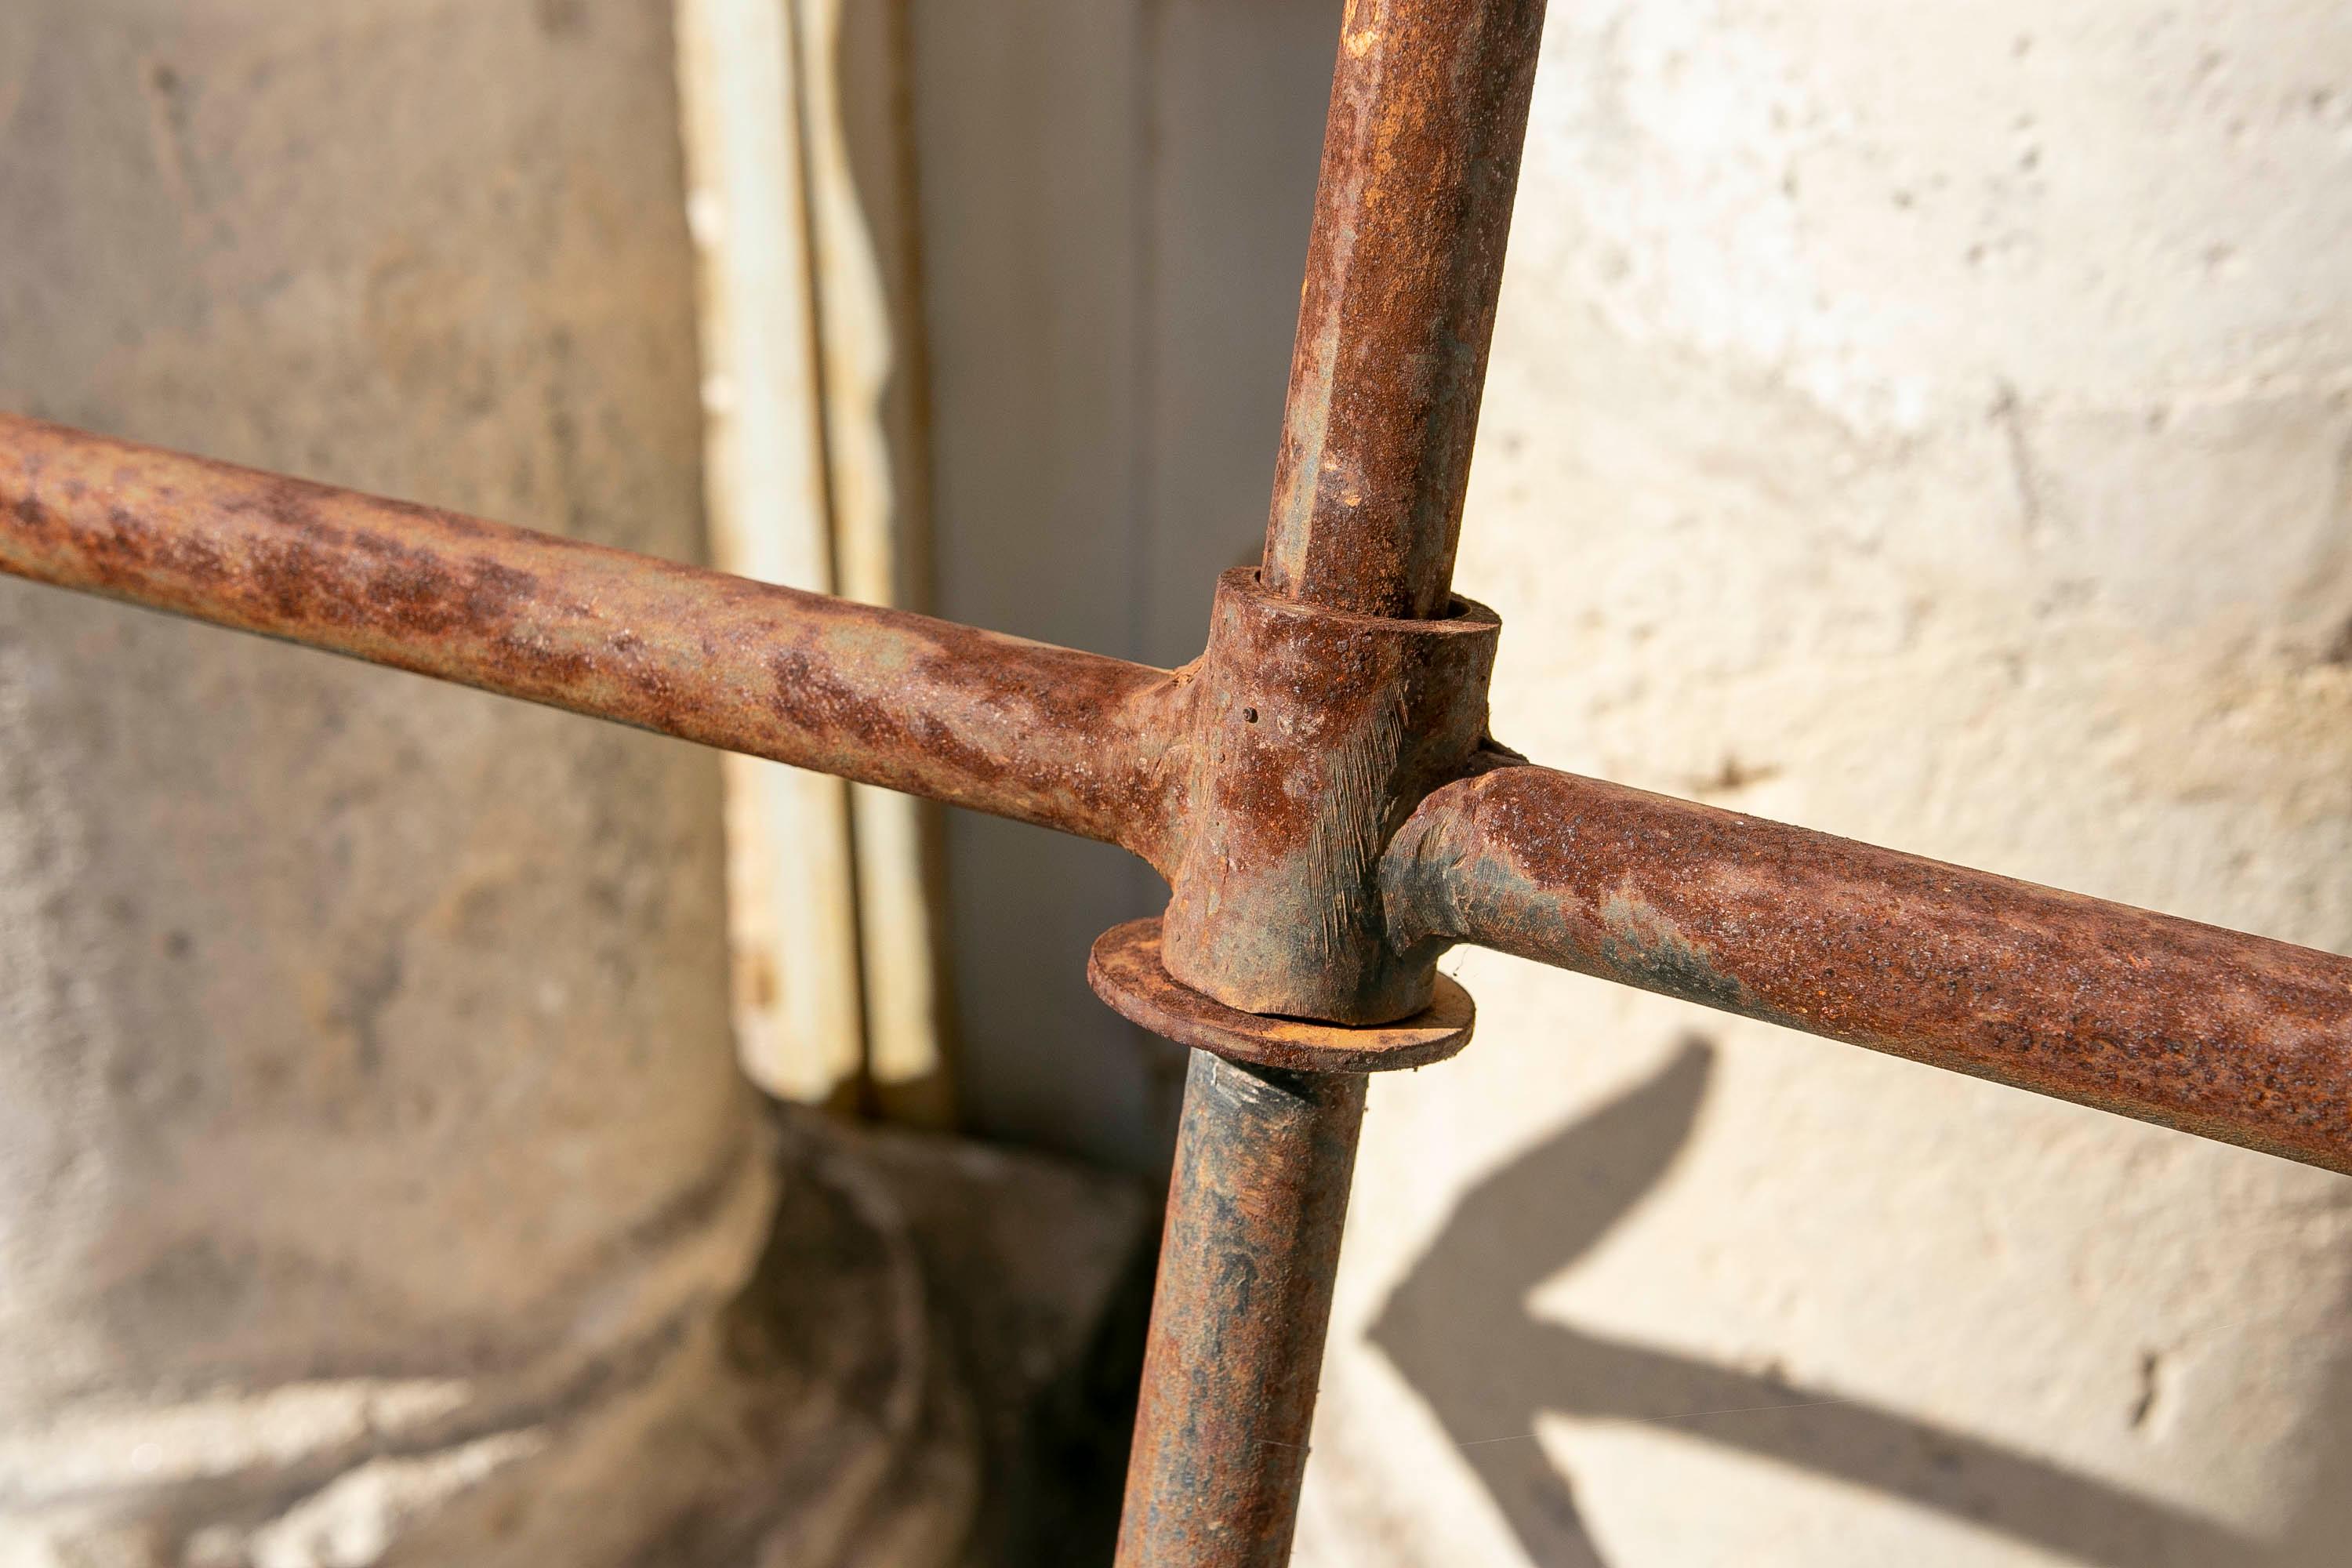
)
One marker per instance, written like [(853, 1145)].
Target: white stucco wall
[(1932, 425)]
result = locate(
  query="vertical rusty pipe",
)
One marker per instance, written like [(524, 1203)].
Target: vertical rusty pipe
[(1264, 1160), (1420, 159)]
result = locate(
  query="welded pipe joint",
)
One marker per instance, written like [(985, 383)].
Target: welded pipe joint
[(1315, 733)]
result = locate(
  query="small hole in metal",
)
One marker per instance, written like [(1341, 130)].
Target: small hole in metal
[(1249, 715)]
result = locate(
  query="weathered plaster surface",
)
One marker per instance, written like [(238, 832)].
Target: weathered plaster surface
[(374, 1177), (1932, 425)]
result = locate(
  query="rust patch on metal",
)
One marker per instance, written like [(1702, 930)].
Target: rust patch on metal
[(2224, 1035), (1264, 1159), (1126, 972), (1318, 788), (1066, 740), (1316, 731), (1421, 163)]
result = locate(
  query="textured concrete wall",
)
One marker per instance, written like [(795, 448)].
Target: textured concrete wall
[(373, 1168), (1927, 423)]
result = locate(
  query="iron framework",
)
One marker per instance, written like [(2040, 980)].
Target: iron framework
[(1319, 788)]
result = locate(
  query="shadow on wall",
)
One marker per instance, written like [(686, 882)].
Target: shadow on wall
[(1459, 1330)]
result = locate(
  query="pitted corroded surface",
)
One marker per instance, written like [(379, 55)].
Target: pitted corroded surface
[(2227, 1035), (1420, 159), (1066, 740), (1315, 733)]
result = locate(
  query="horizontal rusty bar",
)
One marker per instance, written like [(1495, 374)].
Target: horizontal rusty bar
[(2230, 1037), (1064, 739)]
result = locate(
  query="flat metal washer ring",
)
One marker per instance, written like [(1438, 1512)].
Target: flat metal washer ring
[(1126, 971)]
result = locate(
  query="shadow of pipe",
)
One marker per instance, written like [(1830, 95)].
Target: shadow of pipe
[(1459, 1332)]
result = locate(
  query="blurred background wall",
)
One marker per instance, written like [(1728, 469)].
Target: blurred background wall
[(369, 1127), (376, 1181), (1114, 207)]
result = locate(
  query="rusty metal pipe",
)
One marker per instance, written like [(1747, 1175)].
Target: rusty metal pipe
[(1066, 739), (1421, 162), (1421, 156), (1264, 1159), (1337, 689), (2226, 1035)]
